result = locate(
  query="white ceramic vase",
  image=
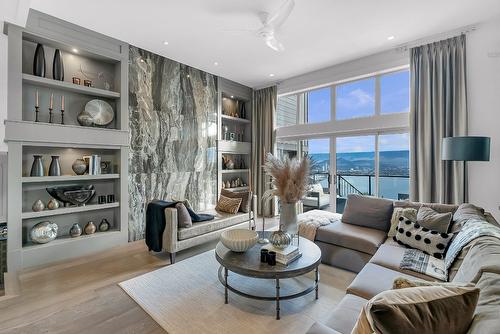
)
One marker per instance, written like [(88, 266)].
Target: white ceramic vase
[(288, 217)]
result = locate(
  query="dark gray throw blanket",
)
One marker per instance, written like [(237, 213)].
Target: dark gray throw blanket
[(155, 222)]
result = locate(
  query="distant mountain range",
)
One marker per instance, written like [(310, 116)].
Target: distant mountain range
[(391, 162)]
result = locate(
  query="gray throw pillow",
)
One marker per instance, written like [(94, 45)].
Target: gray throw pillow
[(246, 199), (465, 212), (368, 211), (183, 216), (433, 220)]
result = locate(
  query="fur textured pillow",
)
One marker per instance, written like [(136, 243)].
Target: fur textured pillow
[(400, 214), (430, 242), (229, 205)]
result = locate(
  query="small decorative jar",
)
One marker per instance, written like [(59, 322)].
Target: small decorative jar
[(79, 166), (53, 204), (38, 206), (75, 230), (280, 239), (90, 228), (104, 225)]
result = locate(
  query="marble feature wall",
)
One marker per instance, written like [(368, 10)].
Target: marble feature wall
[(173, 132)]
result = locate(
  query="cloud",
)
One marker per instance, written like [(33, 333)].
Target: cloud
[(355, 99)]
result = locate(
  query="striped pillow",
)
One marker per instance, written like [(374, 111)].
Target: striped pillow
[(229, 205)]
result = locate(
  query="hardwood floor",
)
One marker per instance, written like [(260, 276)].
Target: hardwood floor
[(82, 295)]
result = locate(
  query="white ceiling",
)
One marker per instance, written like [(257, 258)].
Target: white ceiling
[(318, 33)]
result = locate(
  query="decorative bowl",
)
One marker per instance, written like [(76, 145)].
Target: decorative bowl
[(239, 240), (76, 195)]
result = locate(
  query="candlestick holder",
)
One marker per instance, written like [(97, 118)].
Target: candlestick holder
[(37, 109), (62, 116), (50, 115)]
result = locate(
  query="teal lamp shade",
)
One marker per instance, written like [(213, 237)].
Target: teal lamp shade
[(466, 149)]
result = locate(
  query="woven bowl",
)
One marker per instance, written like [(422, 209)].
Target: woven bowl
[(239, 240)]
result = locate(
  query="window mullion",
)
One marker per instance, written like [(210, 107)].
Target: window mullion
[(377, 167), (377, 96)]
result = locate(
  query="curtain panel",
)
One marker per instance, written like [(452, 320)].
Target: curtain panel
[(264, 108), (438, 109)]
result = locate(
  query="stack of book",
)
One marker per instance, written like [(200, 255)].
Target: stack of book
[(284, 256)]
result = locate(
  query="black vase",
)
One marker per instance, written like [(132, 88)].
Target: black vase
[(57, 66), (39, 61), (243, 110)]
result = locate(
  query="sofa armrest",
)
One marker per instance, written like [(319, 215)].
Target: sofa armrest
[(318, 328), (170, 232)]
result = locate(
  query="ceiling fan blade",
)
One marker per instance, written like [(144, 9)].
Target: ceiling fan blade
[(280, 16), (274, 44)]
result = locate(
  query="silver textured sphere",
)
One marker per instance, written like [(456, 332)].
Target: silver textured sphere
[(44, 232), (280, 239)]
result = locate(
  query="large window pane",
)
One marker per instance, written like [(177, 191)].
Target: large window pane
[(287, 110), (395, 92), (287, 148), (355, 99), (394, 157), (319, 105), (355, 159), (319, 195)]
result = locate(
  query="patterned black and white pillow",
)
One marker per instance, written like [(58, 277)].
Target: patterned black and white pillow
[(413, 235)]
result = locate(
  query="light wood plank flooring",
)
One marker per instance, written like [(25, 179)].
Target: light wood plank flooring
[(82, 295)]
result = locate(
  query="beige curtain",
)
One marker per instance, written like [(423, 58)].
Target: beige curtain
[(438, 109), (264, 107)]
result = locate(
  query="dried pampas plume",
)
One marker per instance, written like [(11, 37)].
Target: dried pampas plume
[(290, 178)]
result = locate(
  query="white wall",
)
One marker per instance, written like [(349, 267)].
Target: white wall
[(483, 70)]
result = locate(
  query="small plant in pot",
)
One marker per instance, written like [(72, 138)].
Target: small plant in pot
[(290, 182)]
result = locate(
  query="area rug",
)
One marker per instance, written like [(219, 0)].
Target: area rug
[(187, 297)]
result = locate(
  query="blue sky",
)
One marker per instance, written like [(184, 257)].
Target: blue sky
[(357, 99)]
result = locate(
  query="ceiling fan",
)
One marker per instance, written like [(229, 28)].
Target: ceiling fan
[(271, 23)]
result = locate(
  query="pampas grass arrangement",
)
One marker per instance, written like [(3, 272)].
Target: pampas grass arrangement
[(290, 178)]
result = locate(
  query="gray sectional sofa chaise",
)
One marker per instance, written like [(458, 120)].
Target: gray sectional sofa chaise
[(377, 259)]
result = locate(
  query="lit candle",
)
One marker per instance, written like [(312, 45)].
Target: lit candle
[(51, 101), (62, 102), (36, 99)]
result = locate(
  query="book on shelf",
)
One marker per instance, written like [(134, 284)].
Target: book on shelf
[(286, 262), (286, 255)]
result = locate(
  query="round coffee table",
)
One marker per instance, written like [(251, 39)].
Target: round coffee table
[(248, 264)]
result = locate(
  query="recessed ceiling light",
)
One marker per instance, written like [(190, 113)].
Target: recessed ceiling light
[(390, 38), (271, 75), (75, 50), (165, 43), (216, 64)]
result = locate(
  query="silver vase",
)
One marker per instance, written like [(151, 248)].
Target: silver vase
[(37, 166), (288, 217), (55, 166), (280, 239)]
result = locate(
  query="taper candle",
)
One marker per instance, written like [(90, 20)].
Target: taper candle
[(36, 99), (51, 101), (62, 102)]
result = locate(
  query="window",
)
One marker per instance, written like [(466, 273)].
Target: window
[(319, 105), (387, 93), (394, 166), (395, 92), (355, 99)]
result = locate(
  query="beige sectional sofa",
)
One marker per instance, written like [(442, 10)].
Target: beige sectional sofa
[(377, 259)]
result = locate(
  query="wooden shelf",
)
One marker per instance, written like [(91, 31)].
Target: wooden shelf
[(69, 135), (70, 178), (65, 211), (70, 87), (234, 171), (234, 147), (235, 119), (68, 239)]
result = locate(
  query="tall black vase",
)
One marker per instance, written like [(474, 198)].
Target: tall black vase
[(39, 61), (57, 66)]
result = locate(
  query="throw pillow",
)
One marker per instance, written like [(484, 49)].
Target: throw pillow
[(246, 198), (401, 214), (434, 220), (403, 282), (417, 310), (465, 212), (430, 242), (368, 211), (183, 216), (229, 205)]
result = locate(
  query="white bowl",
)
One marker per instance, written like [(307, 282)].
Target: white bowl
[(239, 240)]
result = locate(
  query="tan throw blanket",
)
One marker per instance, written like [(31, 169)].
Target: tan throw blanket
[(310, 221)]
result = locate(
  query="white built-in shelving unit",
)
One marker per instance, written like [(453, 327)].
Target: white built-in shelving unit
[(238, 146), (86, 55)]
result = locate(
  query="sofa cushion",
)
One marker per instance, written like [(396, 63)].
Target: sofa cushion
[(434, 220), (319, 328), (359, 238), (430, 309), (400, 214), (221, 220), (346, 313), (372, 280), (442, 208), (390, 256), (465, 212), (487, 314), (368, 211), (415, 236), (483, 256), (246, 198)]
